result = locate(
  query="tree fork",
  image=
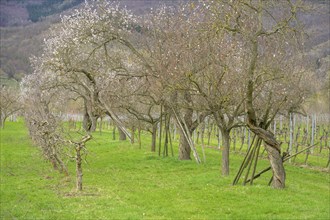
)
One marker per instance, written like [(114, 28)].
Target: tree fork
[(78, 147)]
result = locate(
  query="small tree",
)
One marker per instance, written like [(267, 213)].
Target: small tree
[(78, 147)]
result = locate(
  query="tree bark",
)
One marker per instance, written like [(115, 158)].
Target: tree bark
[(78, 146), (2, 121), (101, 125), (154, 137), (133, 134), (63, 167), (184, 148), (78, 168), (114, 133), (274, 155), (225, 151), (89, 122), (167, 132), (122, 135), (139, 136), (277, 167)]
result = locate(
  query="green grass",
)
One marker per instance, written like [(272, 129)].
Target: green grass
[(122, 181)]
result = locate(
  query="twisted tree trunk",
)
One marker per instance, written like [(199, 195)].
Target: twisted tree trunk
[(273, 149)]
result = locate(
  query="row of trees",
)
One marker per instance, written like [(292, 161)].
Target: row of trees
[(10, 103), (221, 59)]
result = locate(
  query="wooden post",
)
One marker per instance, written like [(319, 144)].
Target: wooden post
[(132, 134), (170, 138), (114, 133), (307, 126), (139, 134), (245, 162), (234, 139), (249, 145), (160, 129), (202, 140), (219, 139), (313, 132), (242, 138), (291, 134), (284, 158), (174, 131)]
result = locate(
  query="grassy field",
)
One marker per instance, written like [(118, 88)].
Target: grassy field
[(122, 181)]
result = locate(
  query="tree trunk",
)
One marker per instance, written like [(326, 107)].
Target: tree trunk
[(89, 123), (114, 133), (101, 125), (276, 163), (197, 138), (167, 132), (154, 137), (53, 162), (63, 167), (273, 149), (139, 136), (122, 135), (160, 129), (202, 141), (78, 169), (133, 134), (184, 148), (2, 121), (93, 123), (234, 140), (225, 151)]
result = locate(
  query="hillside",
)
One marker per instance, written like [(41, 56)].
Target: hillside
[(24, 25), (22, 12)]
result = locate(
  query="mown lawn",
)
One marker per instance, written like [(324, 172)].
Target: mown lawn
[(122, 181)]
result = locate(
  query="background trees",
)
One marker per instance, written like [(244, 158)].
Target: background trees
[(9, 103), (222, 59)]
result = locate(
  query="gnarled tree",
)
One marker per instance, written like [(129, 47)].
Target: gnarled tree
[(264, 30)]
